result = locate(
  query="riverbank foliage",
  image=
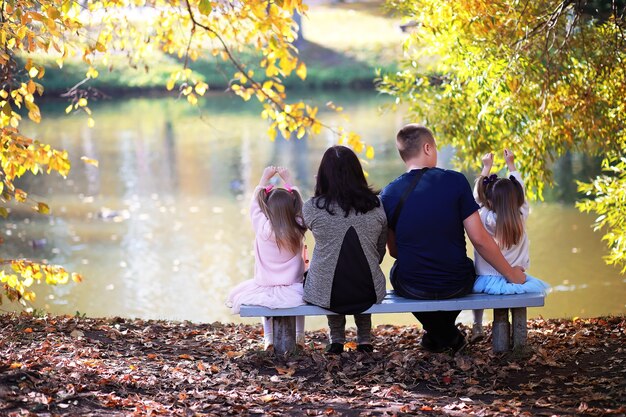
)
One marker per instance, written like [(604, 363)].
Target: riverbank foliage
[(542, 78), (117, 367)]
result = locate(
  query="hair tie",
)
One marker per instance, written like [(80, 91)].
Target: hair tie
[(489, 179), (512, 178), (268, 188), (288, 187)]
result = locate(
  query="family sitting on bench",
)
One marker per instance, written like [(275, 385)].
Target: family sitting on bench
[(421, 217)]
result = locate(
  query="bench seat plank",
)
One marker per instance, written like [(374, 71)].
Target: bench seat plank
[(396, 304)]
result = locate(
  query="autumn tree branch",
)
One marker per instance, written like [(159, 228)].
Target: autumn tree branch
[(257, 85)]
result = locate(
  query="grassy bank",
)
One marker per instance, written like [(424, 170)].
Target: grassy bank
[(117, 367), (343, 47)]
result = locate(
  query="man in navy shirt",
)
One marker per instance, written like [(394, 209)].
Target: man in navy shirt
[(427, 236)]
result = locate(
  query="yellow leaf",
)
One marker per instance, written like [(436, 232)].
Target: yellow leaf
[(201, 88), (91, 122), (68, 108), (89, 161), (192, 99), (77, 277), (33, 72), (92, 73), (43, 208), (170, 84), (272, 133), (16, 365), (20, 195), (369, 153), (301, 71)]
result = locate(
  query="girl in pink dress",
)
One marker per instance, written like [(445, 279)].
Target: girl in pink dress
[(278, 252)]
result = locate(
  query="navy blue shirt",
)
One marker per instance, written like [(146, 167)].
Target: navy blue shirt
[(430, 237)]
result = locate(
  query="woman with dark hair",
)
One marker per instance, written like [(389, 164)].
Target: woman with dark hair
[(349, 225)]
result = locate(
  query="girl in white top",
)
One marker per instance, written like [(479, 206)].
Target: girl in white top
[(503, 211)]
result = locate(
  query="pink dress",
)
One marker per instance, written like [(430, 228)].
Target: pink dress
[(278, 275)]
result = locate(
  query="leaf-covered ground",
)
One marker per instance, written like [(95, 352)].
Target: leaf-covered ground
[(114, 367)]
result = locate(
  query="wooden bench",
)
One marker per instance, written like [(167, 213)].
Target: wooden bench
[(503, 335)]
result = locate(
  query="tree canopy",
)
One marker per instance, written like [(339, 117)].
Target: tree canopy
[(543, 78), (96, 32)]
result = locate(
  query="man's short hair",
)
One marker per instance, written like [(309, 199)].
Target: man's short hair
[(411, 138)]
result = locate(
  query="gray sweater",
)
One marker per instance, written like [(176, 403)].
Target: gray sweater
[(349, 250)]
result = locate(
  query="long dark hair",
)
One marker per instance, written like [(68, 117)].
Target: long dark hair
[(284, 210), (504, 196), (340, 180)]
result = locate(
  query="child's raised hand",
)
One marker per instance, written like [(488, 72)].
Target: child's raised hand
[(487, 163), (509, 158), (284, 174), (268, 173), (488, 159)]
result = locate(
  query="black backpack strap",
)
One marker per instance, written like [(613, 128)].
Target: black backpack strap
[(405, 195)]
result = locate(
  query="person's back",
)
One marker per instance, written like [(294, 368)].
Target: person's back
[(276, 215), (429, 233), (432, 212), (347, 253), (350, 230)]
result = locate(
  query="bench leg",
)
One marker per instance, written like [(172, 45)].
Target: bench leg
[(501, 333), (284, 334), (519, 326)]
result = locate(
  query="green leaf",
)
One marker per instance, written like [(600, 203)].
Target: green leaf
[(204, 6)]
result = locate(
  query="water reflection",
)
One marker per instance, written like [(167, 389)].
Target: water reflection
[(160, 229)]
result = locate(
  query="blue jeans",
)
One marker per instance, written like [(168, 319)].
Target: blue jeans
[(439, 325)]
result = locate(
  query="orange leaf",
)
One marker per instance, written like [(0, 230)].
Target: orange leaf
[(28, 330), (285, 371), (350, 345)]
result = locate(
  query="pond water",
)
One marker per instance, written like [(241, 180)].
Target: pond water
[(160, 229)]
